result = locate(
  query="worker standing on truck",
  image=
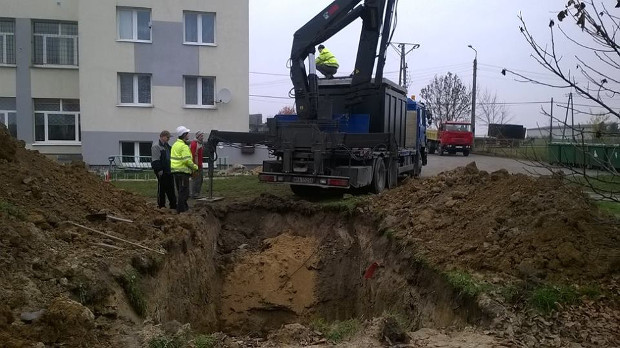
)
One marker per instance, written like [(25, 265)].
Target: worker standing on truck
[(160, 162), (182, 166), (326, 62), (196, 147)]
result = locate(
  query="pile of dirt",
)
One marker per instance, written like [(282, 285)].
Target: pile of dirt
[(7, 145), (55, 274), (503, 224)]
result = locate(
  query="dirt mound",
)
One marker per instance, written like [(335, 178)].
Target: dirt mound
[(502, 223), (43, 258), (7, 144)]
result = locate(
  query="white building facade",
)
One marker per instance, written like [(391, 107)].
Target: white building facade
[(92, 79)]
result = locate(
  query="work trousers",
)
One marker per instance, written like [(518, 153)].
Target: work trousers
[(165, 187), (181, 181), (327, 70), (196, 184)]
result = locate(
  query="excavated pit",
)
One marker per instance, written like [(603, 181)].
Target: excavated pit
[(254, 269)]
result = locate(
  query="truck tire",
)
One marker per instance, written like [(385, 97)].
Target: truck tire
[(379, 174), (465, 153), (440, 150), (431, 149)]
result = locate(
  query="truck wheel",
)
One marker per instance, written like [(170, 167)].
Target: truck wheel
[(431, 149), (465, 153), (417, 166), (440, 150), (378, 176)]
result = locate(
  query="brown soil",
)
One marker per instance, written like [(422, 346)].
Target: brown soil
[(263, 271), (503, 224), (279, 279), (50, 267)]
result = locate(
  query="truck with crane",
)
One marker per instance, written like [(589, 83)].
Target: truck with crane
[(349, 132)]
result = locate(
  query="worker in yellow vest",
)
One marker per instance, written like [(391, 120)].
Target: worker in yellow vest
[(326, 62), (182, 166)]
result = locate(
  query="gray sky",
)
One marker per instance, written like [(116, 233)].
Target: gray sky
[(443, 28)]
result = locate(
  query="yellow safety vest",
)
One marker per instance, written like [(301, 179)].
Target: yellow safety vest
[(326, 58), (181, 158)]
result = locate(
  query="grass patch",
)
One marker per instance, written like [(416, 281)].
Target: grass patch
[(231, 187), (11, 210), (547, 297), (337, 331), (607, 183), (347, 205), (204, 341), (524, 152), (512, 293), (165, 342), (130, 282), (466, 284), (609, 207)]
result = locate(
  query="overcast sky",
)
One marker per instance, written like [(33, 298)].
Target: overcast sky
[(443, 28)]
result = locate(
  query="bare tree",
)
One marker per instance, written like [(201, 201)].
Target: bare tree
[(491, 111), (598, 63), (287, 110), (448, 98)]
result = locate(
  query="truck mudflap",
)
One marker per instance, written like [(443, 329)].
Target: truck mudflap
[(324, 181)]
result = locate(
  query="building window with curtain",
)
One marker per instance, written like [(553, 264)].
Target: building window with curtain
[(199, 91), (55, 43), (7, 41), (57, 121), (199, 28), (133, 24), (8, 115), (134, 89)]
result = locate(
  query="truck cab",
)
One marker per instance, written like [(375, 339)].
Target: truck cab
[(451, 137)]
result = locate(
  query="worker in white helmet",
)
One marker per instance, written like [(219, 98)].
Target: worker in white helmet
[(182, 167)]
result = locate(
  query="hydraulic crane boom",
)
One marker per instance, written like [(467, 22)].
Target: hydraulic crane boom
[(324, 25)]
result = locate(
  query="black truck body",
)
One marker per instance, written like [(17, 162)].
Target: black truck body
[(350, 132)]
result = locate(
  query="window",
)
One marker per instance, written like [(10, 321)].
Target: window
[(458, 127), (134, 24), (199, 91), (8, 115), (134, 89), (7, 41), (135, 152), (57, 120), (199, 28), (55, 43)]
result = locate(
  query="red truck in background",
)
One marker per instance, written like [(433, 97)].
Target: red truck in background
[(451, 137)]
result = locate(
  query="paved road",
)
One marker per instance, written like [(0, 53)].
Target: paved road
[(437, 164)]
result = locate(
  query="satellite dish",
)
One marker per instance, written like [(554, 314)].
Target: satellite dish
[(224, 96)]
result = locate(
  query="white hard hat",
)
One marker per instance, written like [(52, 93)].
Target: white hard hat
[(182, 130)]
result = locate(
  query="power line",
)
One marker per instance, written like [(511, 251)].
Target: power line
[(269, 74), (268, 96)]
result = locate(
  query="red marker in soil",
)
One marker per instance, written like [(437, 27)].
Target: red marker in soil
[(370, 271)]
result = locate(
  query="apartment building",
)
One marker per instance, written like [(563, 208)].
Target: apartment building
[(92, 79)]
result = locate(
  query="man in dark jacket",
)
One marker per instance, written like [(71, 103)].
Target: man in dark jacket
[(160, 161)]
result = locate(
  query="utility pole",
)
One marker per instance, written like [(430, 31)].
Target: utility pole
[(473, 94), (400, 48), (551, 123)]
